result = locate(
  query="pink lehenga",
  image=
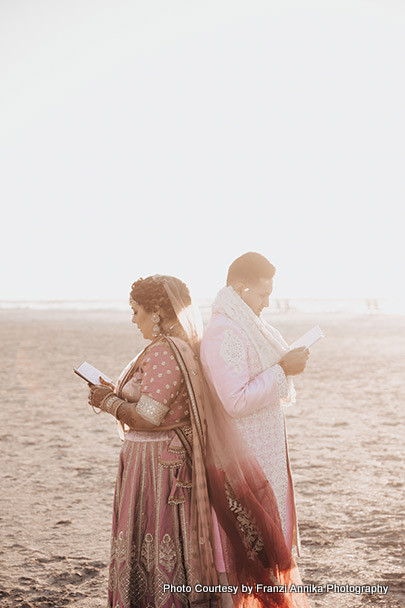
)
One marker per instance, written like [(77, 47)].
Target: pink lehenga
[(152, 544), (170, 482)]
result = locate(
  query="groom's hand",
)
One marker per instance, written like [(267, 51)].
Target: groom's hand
[(294, 362)]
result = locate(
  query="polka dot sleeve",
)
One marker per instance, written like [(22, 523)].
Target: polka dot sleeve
[(161, 383)]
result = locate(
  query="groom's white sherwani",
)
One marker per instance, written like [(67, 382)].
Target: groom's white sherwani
[(239, 352)]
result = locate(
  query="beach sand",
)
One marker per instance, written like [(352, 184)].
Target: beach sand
[(59, 459)]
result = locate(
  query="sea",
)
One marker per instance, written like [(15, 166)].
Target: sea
[(277, 305)]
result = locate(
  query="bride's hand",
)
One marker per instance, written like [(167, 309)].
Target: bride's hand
[(105, 383), (97, 394)]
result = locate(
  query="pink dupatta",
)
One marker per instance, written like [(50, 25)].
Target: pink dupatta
[(227, 477)]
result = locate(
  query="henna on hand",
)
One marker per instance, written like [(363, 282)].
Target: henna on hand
[(97, 394)]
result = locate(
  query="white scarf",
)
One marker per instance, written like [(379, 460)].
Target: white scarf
[(267, 341)]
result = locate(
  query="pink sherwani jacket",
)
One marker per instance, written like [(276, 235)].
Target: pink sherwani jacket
[(252, 398)]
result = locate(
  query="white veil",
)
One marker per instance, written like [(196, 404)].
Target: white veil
[(188, 314)]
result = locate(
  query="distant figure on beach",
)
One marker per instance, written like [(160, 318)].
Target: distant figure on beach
[(177, 449), (283, 305), (251, 368), (372, 305)]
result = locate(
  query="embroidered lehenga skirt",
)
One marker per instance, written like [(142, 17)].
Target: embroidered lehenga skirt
[(150, 544)]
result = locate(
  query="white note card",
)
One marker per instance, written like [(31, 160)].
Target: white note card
[(308, 339), (90, 373)]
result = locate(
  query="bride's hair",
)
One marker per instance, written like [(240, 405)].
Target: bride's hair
[(151, 294), (250, 267)]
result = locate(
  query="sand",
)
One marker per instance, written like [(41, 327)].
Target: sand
[(59, 459)]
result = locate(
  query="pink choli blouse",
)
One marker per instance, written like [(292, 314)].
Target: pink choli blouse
[(157, 386)]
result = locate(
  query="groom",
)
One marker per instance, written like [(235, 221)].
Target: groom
[(248, 362)]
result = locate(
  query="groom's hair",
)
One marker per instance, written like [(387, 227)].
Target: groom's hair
[(250, 268)]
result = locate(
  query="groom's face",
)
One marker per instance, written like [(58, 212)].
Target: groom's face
[(257, 295)]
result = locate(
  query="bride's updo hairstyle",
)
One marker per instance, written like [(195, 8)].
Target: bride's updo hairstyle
[(250, 268), (151, 294)]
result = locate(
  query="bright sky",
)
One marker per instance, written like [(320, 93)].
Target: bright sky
[(143, 137)]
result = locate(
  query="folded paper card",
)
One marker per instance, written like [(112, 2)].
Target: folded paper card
[(308, 339), (90, 374)]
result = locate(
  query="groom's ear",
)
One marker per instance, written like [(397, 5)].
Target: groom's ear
[(239, 287)]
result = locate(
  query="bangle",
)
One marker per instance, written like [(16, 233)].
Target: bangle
[(110, 404)]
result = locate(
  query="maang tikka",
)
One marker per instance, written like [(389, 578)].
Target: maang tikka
[(156, 328)]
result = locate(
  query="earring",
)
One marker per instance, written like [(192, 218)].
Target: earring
[(156, 328)]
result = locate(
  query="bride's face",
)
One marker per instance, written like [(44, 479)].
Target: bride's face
[(143, 320)]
